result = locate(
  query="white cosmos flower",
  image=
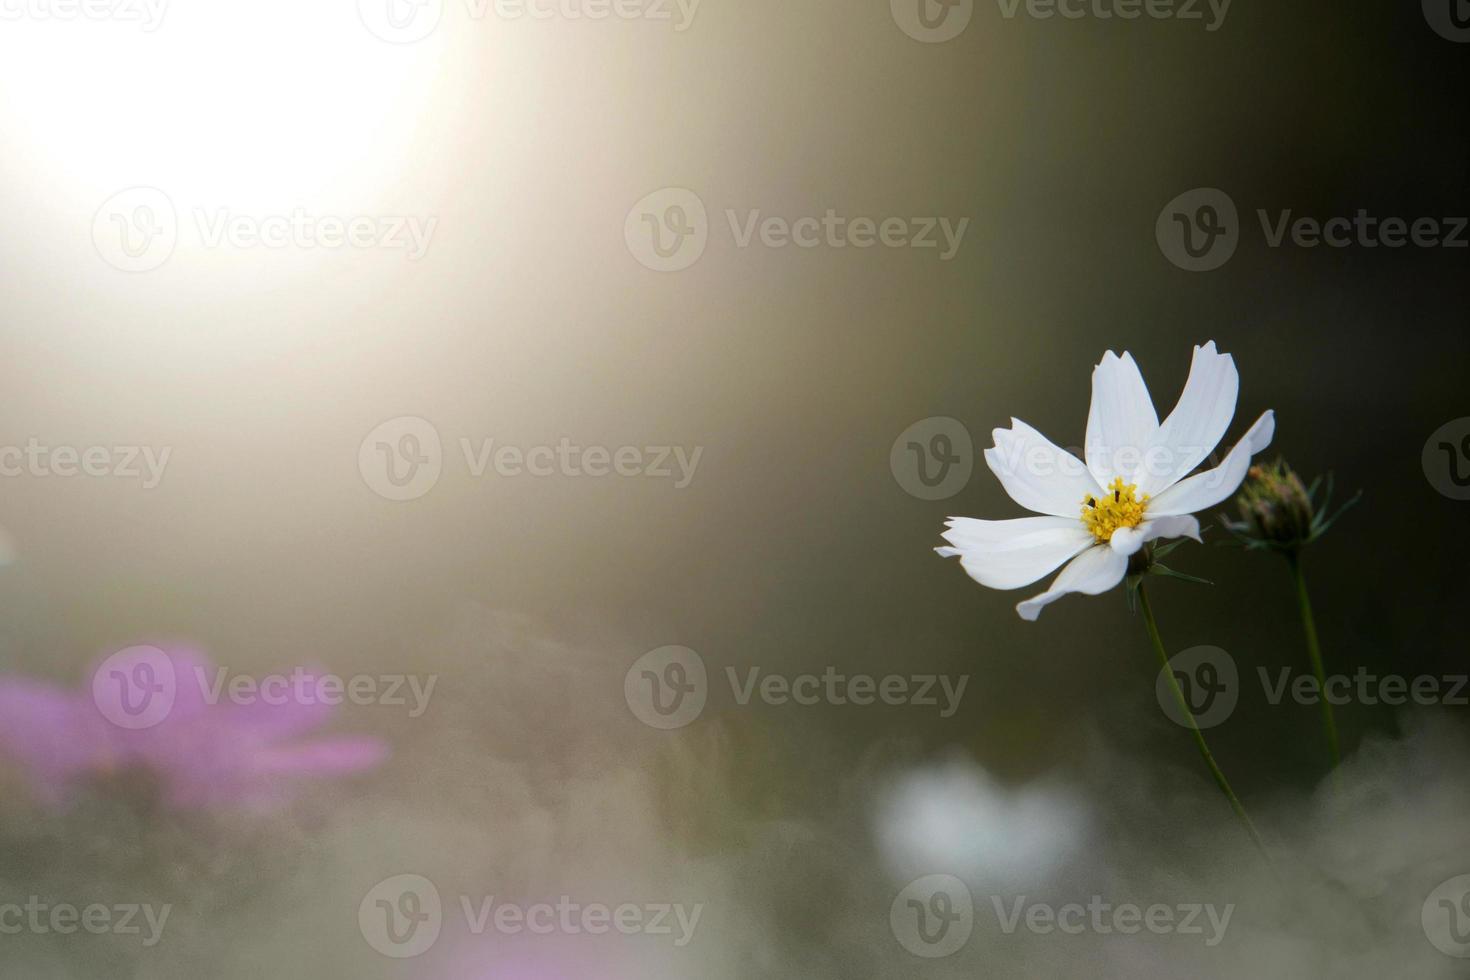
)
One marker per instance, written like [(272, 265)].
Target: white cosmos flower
[(1134, 488)]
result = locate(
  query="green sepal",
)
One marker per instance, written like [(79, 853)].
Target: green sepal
[(1168, 572)]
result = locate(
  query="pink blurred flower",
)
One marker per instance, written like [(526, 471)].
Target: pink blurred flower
[(152, 710)]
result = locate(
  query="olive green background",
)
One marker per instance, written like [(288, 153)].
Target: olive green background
[(794, 548)]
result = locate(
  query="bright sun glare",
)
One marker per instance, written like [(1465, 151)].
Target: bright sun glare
[(267, 104)]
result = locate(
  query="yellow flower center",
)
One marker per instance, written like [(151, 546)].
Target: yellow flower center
[(1119, 507)]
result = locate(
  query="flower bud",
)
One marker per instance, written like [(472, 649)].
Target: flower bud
[(1275, 506)]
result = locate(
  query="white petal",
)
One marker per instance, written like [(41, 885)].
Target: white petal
[(1038, 475), (1121, 423), (1212, 486), (1097, 569), (1010, 554), (1127, 540), (969, 532), (1259, 436), (1181, 526), (1198, 422)]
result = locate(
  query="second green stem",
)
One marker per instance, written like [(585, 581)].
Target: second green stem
[(1199, 736), (1314, 652)]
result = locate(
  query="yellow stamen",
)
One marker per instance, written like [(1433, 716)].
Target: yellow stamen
[(1121, 507)]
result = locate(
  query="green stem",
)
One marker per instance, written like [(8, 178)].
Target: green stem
[(1314, 652), (1199, 736)]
